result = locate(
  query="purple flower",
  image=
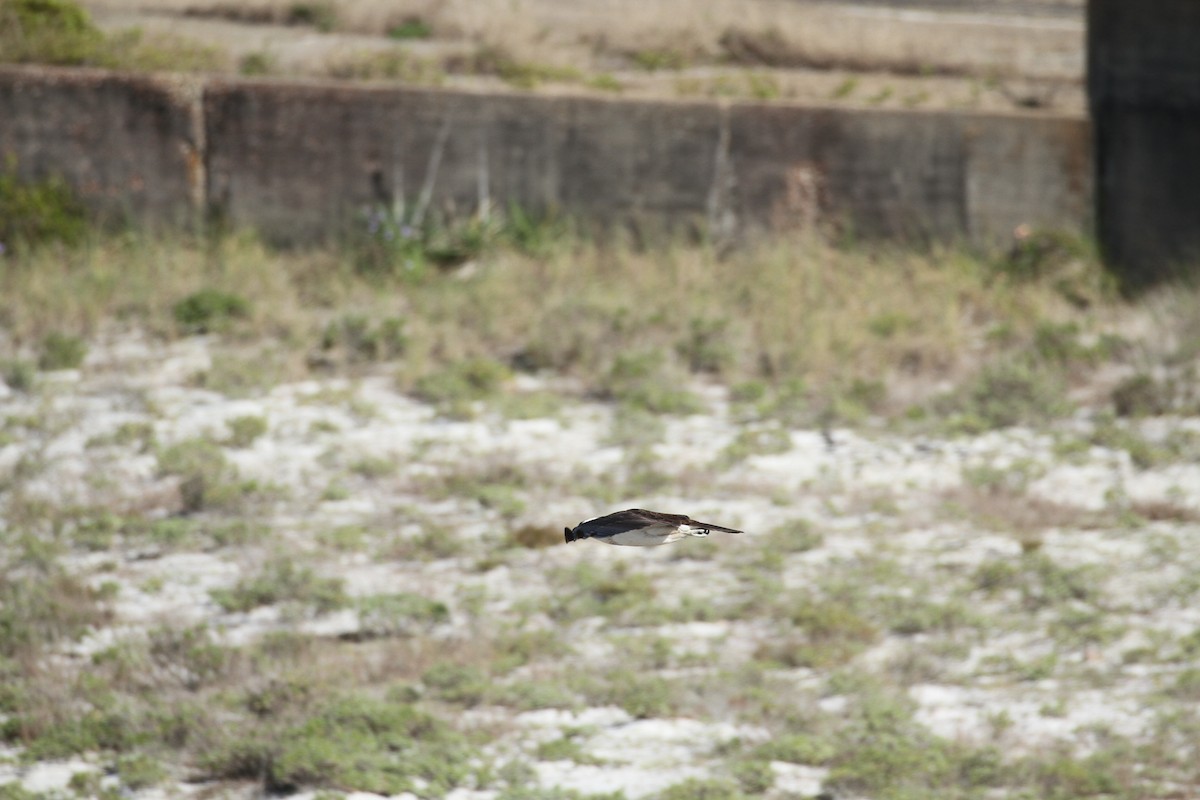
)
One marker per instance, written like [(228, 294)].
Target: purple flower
[(406, 231), (1, 248)]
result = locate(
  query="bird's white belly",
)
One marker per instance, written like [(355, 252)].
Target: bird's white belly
[(645, 537)]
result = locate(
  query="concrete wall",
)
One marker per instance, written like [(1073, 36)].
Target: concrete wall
[(131, 145), (1144, 92), (299, 160)]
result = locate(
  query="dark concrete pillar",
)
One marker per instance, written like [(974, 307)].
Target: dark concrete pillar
[(1144, 92)]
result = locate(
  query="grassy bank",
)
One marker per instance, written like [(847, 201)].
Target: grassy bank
[(800, 328)]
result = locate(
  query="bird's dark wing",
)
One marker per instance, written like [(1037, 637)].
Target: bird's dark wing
[(612, 524), (653, 517)]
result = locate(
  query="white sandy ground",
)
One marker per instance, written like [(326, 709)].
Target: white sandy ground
[(836, 487)]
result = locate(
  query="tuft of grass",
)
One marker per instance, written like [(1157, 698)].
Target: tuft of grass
[(411, 28), (348, 741), (19, 375), (1004, 394), (257, 63), (209, 310), (358, 338), (140, 771), (457, 683), (244, 430), (644, 380), (455, 387), (1143, 395), (594, 592), (33, 213), (754, 441), (206, 478), (399, 614), (48, 32), (282, 581), (62, 32), (702, 789), (38, 610), (828, 633), (317, 13), (794, 536)]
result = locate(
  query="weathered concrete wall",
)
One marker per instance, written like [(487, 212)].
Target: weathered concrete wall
[(905, 173), (1144, 92), (295, 159), (131, 145), (299, 160)]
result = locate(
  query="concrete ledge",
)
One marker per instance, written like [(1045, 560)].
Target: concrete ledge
[(298, 160)]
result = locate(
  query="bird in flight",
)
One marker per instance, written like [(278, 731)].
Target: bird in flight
[(640, 528)]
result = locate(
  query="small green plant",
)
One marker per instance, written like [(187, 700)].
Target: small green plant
[(605, 82), (320, 15), (209, 310), (706, 346), (456, 386), (282, 581), (374, 467), (36, 212), (797, 748), (37, 610), (828, 633), (241, 376), (793, 536), (362, 340), (399, 614), (1006, 394), (349, 741), (702, 789), (244, 430), (18, 375), (654, 59), (1142, 395), (411, 28), (206, 479), (643, 380), (456, 683), (48, 32), (139, 771), (605, 593), (565, 748), (845, 88), (256, 63), (754, 441)]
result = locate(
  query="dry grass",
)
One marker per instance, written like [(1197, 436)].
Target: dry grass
[(620, 45), (790, 310)]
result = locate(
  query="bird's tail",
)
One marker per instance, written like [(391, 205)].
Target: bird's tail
[(711, 527), (569, 535)]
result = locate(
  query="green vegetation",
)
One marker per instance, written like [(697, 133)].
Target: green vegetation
[(206, 479), (36, 212), (282, 581), (208, 310), (61, 352), (399, 614), (460, 383), (411, 28), (245, 429), (62, 32)]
